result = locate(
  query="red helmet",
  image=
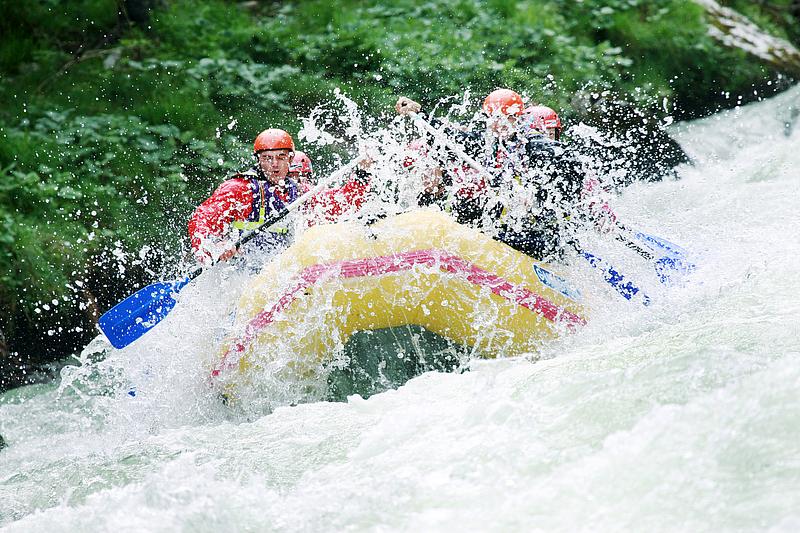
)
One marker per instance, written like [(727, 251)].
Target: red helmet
[(273, 139), (301, 163), (541, 118), (503, 101)]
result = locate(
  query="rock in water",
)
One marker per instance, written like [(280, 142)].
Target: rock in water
[(737, 31), (626, 143)]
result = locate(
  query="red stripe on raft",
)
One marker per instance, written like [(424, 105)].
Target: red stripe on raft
[(376, 266)]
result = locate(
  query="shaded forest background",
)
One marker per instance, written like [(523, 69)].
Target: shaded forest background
[(118, 117)]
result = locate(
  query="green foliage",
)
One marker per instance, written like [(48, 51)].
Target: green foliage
[(110, 134), (68, 25), (81, 196), (198, 29)]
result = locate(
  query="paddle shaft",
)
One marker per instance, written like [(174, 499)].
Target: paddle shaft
[(423, 125), (633, 246)]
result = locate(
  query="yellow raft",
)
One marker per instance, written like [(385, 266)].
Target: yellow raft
[(420, 268)]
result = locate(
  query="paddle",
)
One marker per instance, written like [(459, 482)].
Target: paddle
[(672, 263), (612, 275), (626, 289), (139, 313)]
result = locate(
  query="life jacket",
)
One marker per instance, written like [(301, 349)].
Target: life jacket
[(267, 199)]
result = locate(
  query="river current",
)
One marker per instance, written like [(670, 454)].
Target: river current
[(680, 416)]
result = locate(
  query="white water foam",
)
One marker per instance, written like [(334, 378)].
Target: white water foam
[(680, 416)]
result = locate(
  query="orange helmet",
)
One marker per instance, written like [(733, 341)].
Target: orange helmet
[(273, 139), (503, 101), (541, 117), (301, 163)]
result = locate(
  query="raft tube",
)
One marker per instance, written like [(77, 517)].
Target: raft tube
[(419, 268)]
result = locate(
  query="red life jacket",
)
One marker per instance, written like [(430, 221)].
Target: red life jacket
[(266, 199)]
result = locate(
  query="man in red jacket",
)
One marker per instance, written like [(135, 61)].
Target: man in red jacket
[(245, 200)]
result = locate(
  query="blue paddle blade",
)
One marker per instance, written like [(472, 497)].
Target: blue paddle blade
[(657, 244), (674, 264), (626, 289), (137, 314), (671, 269)]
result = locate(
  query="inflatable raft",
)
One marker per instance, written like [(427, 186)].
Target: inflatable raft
[(418, 269)]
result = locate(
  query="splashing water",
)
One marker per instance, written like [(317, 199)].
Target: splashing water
[(680, 416)]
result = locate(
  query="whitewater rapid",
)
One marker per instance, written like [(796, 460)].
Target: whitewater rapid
[(682, 416)]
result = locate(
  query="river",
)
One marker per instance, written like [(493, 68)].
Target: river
[(680, 416)]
